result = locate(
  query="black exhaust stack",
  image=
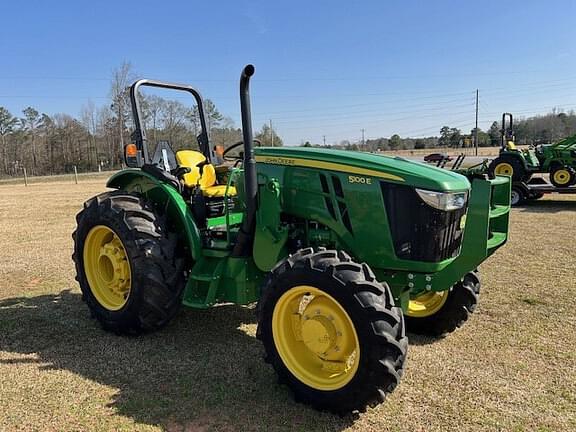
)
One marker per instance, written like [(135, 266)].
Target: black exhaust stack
[(245, 238)]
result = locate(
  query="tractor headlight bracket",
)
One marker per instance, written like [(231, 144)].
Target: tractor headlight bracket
[(444, 201)]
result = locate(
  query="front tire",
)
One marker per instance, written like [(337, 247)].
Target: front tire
[(437, 313), (331, 331), (561, 176), (127, 263)]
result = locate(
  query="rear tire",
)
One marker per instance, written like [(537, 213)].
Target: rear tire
[(517, 196), (376, 364), (156, 276), (508, 165), (460, 303)]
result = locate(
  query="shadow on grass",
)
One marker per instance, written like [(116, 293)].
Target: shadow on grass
[(421, 340), (547, 206), (202, 371)]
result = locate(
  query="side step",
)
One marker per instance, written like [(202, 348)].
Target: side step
[(203, 283)]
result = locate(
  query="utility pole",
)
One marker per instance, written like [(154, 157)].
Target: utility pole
[(476, 128), (271, 134), (324, 140), (362, 137)]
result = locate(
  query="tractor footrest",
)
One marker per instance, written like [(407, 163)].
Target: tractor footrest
[(202, 287), (498, 211), (495, 241)]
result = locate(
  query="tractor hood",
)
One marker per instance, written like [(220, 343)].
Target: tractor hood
[(394, 169)]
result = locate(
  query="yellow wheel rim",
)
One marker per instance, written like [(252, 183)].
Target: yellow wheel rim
[(107, 267), (427, 304), (504, 168), (562, 177), (315, 338)]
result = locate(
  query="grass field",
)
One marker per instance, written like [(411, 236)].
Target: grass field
[(468, 151), (511, 368)]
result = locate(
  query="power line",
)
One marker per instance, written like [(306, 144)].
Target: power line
[(526, 88), (375, 123), (365, 113)]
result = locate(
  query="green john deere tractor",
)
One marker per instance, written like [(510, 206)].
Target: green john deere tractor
[(338, 248), (559, 159)]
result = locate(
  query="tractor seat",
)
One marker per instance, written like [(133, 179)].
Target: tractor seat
[(510, 145), (207, 180)]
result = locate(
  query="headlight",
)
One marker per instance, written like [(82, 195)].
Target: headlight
[(443, 200)]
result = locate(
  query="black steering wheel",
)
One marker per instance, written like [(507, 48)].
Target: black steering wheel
[(235, 145)]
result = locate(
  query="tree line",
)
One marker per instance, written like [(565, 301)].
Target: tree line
[(541, 129), (53, 144)]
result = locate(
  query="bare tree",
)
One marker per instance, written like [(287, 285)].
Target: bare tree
[(30, 123), (49, 139), (173, 120), (106, 130), (88, 114), (153, 107), (121, 79)]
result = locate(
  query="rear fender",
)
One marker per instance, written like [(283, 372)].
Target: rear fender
[(164, 196), (521, 158)]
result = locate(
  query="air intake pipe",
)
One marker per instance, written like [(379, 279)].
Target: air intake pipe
[(245, 238)]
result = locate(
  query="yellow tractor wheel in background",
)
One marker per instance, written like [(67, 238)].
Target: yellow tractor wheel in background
[(562, 177), (504, 168), (508, 165)]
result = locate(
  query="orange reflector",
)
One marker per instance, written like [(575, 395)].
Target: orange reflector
[(131, 150)]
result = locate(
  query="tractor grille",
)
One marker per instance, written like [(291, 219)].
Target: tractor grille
[(420, 232)]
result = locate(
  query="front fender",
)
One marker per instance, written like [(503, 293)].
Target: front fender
[(163, 196)]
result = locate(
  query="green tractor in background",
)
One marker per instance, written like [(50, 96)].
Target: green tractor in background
[(337, 248), (558, 160)]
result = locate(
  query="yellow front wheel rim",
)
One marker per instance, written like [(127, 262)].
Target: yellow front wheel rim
[(427, 304), (315, 338), (107, 267), (504, 168), (562, 177)]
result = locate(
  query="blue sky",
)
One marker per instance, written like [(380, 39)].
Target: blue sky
[(323, 68)]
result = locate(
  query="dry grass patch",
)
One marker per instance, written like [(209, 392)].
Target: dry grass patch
[(511, 368), (469, 151)]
